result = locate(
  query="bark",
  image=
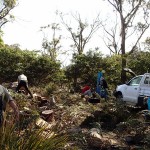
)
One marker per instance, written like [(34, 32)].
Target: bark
[(123, 36), (48, 115)]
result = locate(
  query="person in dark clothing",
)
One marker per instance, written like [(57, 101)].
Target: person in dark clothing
[(103, 83), (103, 86)]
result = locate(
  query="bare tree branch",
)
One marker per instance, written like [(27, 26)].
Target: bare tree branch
[(108, 46), (116, 6), (132, 50), (78, 38), (132, 12)]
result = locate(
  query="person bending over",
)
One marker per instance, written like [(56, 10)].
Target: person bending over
[(23, 82)]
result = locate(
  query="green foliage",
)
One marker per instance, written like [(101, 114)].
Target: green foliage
[(139, 62), (50, 88), (8, 60), (39, 69), (30, 139), (113, 69), (42, 70), (10, 3), (1, 40), (147, 44), (85, 67)]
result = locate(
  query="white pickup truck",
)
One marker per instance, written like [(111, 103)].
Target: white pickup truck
[(135, 90)]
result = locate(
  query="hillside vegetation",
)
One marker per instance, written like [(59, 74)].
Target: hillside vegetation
[(74, 123), (57, 117)]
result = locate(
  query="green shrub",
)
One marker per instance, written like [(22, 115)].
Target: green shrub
[(50, 88)]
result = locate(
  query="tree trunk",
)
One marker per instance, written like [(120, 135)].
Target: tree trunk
[(123, 52), (123, 72), (48, 115), (75, 79)]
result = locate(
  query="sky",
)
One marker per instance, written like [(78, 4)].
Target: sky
[(30, 15)]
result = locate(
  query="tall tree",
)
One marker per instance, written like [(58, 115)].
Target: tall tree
[(5, 7), (52, 46), (133, 15), (84, 32)]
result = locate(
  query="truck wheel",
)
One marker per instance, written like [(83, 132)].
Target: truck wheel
[(119, 97)]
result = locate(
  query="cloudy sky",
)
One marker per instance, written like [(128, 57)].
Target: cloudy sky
[(30, 15)]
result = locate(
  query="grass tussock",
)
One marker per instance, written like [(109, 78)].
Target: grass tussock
[(30, 139)]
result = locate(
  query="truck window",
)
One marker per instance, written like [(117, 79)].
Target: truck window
[(147, 80), (135, 81)]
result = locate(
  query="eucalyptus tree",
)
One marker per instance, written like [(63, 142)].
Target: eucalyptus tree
[(131, 18), (51, 45), (5, 7), (82, 33)]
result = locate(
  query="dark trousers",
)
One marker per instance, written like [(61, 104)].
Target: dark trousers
[(25, 85)]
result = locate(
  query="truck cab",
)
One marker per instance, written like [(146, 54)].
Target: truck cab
[(135, 90)]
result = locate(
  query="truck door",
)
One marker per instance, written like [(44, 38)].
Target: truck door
[(132, 89), (145, 87)]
